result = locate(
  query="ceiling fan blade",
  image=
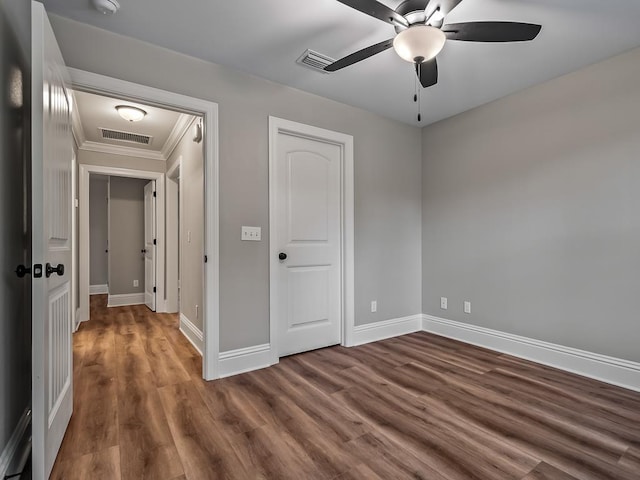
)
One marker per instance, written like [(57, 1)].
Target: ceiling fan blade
[(377, 10), (492, 31), (427, 72), (442, 7), (359, 55)]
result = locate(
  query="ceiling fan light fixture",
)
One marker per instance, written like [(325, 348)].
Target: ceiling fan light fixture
[(419, 43), (132, 114)]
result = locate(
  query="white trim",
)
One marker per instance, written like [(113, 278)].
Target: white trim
[(15, 453), (372, 332), (77, 323), (77, 129), (193, 333), (345, 142), (83, 227), (96, 83), (124, 299), (615, 371), (172, 286), (244, 360), (98, 289), (91, 146), (179, 130)]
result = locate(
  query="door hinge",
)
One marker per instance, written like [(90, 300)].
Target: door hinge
[(154, 194), (154, 241), (154, 289), (205, 259)]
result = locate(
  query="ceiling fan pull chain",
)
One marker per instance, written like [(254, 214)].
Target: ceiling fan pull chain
[(418, 92)]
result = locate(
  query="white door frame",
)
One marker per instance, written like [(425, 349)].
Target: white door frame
[(100, 84), (83, 228), (173, 182), (345, 142)]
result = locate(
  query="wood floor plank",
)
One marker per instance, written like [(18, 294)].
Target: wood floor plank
[(167, 368), (631, 460), (94, 423), (544, 471), (412, 407), (101, 465), (147, 449), (203, 451)]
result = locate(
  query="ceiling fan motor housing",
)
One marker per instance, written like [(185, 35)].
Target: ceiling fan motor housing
[(413, 11)]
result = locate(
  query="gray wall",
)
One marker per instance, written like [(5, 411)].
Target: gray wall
[(98, 230), (126, 235), (191, 220), (530, 211), (387, 177), (15, 140)]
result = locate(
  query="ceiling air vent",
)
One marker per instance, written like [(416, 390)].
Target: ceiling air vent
[(314, 60), (109, 134)]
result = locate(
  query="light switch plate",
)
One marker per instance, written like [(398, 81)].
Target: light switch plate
[(251, 233)]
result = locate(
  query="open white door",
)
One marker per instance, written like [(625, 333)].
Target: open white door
[(52, 389), (150, 245)]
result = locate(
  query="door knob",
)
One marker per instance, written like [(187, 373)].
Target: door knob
[(21, 270), (50, 270), (282, 256)]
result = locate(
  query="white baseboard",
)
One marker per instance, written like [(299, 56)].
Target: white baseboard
[(615, 371), (125, 299), (193, 333), (244, 360), (15, 453), (372, 332), (98, 289)]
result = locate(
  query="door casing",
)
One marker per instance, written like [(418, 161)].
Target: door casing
[(101, 84), (278, 126)]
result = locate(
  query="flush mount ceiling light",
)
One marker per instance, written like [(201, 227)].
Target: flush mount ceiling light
[(419, 43), (132, 114)]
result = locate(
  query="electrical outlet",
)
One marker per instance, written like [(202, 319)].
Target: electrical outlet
[(374, 306), (467, 307), (136, 283), (188, 236), (196, 311), (443, 303)]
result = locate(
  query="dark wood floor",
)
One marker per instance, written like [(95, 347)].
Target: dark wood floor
[(413, 407)]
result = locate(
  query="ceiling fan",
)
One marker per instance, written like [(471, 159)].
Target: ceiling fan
[(421, 33)]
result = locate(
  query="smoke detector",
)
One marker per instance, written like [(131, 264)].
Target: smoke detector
[(106, 7)]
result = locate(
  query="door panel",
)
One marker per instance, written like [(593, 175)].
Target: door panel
[(149, 245), (51, 224), (308, 226)]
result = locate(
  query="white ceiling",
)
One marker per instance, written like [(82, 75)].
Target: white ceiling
[(266, 37), (97, 111)]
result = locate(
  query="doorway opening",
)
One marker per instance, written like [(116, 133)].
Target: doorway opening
[(147, 241)]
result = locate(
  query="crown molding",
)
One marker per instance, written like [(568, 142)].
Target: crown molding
[(121, 150), (181, 127)]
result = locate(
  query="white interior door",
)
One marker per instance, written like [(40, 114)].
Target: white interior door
[(150, 245), (52, 393), (307, 224)]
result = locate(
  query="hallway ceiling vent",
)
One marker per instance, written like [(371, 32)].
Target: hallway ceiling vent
[(314, 60), (129, 137)]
